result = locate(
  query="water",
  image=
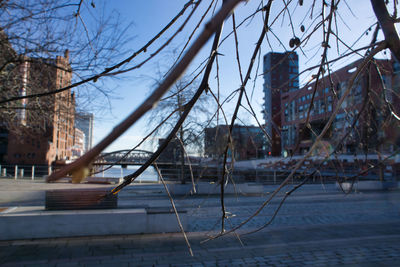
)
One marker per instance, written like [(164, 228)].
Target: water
[(149, 175)]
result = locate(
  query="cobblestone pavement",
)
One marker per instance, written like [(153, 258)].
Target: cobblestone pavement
[(316, 210), (314, 227), (331, 245)]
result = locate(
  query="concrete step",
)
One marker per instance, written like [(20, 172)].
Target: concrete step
[(37, 222)]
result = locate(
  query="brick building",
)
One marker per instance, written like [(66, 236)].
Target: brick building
[(281, 71), (248, 142), (351, 131), (44, 129)]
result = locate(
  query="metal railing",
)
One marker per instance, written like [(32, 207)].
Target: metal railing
[(277, 175), (25, 171), (257, 175), (213, 173)]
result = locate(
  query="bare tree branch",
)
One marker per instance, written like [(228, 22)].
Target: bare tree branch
[(387, 26)]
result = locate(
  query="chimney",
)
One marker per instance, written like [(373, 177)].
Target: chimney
[(66, 54)]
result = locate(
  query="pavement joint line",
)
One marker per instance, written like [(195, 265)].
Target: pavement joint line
[(153, 237)]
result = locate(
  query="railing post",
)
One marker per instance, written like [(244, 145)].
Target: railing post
[(4, 172), (33, 172), (15, 172)]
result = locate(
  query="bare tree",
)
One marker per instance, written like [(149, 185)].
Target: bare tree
[(34, 37), (311, 26), (189, 138)]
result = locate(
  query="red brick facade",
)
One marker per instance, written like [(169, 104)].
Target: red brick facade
[(43, 140), (371, 129)]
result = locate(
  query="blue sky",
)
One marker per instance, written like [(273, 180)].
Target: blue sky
[(148, 17)]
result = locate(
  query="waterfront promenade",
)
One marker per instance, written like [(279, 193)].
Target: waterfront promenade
[(317, 226)]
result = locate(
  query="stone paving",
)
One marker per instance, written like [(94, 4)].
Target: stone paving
[(333, 245), (314, 228)]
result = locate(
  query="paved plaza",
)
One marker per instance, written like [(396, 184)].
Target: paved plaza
[(317, 226)]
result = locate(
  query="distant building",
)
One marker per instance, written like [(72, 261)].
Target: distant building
[(393, 95), (37, 138), (248, 142), (79, 143), (281, 71), (35, 130), (368, 132), (172, 153), (3, 143), (84, 122)]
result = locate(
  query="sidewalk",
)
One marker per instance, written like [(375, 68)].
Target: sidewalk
[(333, 245), (315, 227)]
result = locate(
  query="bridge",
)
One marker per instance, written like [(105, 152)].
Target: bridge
[(124, 157), (130, 157)]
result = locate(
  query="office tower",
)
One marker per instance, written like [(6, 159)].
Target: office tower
[(281, 72)]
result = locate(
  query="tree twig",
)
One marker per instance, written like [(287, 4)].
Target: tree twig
[(175, 211), (210, 28)]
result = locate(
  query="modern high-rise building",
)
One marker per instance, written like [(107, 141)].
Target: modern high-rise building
[(84, 122), (79, 143), (281, 75)]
